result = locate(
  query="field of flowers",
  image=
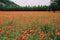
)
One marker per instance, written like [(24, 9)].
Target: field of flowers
[(29, 26)]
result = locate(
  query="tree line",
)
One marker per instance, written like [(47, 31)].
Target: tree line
[(11, 6)]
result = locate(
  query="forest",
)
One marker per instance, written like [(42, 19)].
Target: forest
[(7, 5)]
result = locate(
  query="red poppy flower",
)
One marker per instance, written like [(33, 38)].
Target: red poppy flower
[(9, 27), (49, 35), (32, 30), (16, 39), (23, 38), (26, 31), (39, 32), (1, 31), (58, 33), (42, 35)]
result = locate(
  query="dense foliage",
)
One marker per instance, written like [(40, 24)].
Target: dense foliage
[(55, 5), (9, 5)]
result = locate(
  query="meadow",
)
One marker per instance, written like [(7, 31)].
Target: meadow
[(29, 25)]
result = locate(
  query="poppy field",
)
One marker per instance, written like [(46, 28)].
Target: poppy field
[(33, 25)]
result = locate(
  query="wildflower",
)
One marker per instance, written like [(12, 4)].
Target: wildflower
[(1, 31), (32, 30), (42, 35), (58, 33), (16, 38), (24, 32), (39, 32), (9, 27), (49, 35), (23, 38)]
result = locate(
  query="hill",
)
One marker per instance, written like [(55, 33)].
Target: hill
[(7, 4)]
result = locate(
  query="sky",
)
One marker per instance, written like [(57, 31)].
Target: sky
[(31, 2)]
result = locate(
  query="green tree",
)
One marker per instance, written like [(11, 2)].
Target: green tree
[(55, 5)]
